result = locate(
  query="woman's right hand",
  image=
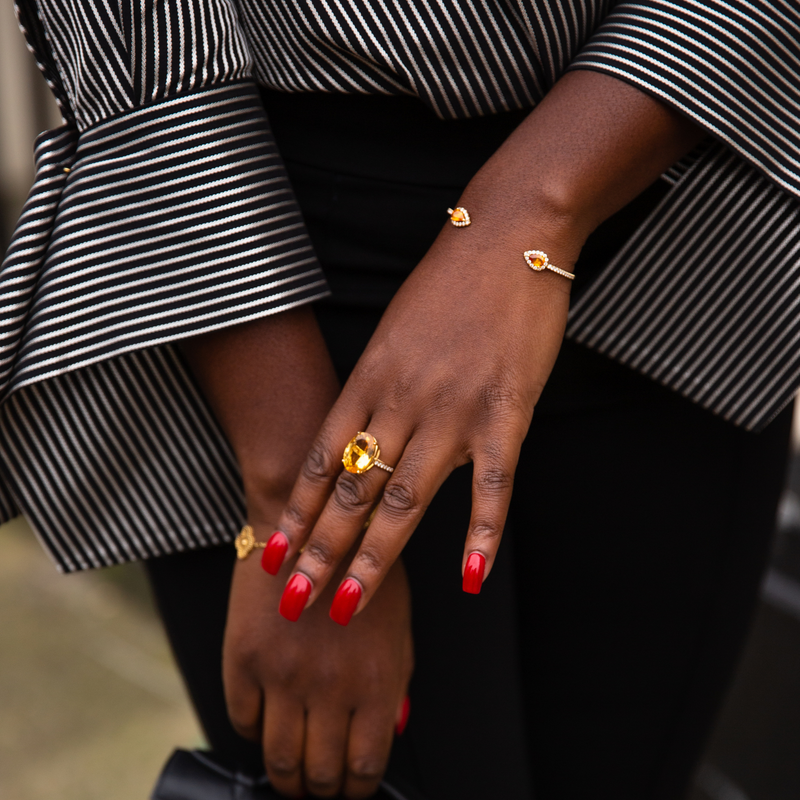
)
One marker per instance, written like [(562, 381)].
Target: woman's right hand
[(322, 699)]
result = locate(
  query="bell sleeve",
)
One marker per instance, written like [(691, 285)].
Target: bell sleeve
[(731, 66), (703, 298), (161, 209)]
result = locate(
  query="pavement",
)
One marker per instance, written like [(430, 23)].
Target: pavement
[(91, 704)]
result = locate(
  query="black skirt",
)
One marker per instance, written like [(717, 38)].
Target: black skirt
[(594, 660)]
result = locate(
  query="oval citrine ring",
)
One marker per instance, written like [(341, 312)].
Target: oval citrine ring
[(361, 454)]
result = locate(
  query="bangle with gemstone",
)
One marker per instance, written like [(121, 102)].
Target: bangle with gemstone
[(537, 260), (459, 216)]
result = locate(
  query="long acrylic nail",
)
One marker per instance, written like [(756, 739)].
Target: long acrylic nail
[(274, 553), (295, 597), (345, 601), (403, 721), (473, 573)]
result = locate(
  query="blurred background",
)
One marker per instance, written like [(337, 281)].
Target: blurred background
[(91, 704)]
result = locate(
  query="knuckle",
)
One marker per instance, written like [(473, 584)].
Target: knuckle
[(282, 765), (400, 498), (294, 514), (496, 399), (351, 493), (494, 480), (319, 465), (371, 560), (401, 390), (244, 726), (323, 782), (366, 769), (445, 392), (322, 552), (284, 667), (487, 531)]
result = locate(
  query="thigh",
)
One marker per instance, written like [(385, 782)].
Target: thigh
[(641, 525)]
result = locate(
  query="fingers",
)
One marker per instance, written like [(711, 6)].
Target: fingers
[(370, 740), (245, 701), (343, 518), (406, 495), (338, 503), (492, 484), (320, 470), (284, 723), (325, 750)]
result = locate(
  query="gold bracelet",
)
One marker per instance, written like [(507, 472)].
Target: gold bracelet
[(537, 260), (245, 542)]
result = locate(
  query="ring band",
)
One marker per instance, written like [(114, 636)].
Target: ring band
[(361, 454), (537, 260)]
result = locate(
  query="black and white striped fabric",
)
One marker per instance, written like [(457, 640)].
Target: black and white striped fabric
[(702, 302), (161, 209), (129, 462)]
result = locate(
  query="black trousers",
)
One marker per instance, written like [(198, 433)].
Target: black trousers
[(594, 660)]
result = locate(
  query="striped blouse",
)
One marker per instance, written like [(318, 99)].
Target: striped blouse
[(161, 210)]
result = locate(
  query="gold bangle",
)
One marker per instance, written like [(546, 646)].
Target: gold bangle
[(537, 260)]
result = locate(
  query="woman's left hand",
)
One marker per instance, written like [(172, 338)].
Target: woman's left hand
[(451, 375), (458, 362)]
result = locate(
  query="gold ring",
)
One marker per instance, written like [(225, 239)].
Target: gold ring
[(537, 260), (361, 454)]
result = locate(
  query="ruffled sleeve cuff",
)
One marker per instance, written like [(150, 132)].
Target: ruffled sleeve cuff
[(732, 66), (161, 223)]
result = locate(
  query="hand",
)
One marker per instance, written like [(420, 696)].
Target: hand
[(451, 375), (323, 700), (270, 384), (458, 362)]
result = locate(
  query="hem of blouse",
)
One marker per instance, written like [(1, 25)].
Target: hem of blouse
[(170, 339), (77, 562)]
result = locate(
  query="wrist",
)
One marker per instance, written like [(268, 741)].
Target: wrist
[(507, 223), (588, 149)]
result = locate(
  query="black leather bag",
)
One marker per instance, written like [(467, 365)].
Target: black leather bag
[(195, 775)]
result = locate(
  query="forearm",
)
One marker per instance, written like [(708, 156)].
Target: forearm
[(590, 147), (270, 384)]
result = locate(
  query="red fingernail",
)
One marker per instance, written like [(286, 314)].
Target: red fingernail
[(345, 601), (295, 597), (274, 552), (401, 725), (473, 573)]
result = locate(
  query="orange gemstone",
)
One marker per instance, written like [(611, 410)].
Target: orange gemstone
[(536, 259), (360, 453), (458, 216)]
